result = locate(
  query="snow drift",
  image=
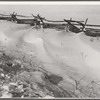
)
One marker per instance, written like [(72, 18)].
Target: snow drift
[(56, 49)]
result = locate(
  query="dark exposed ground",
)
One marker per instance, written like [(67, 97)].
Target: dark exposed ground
[(28, 79), (92, 32)]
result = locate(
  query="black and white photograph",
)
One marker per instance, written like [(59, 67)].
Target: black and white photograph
[(50, 50)]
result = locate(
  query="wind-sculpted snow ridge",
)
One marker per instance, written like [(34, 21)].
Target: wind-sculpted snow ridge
[(46, 63)]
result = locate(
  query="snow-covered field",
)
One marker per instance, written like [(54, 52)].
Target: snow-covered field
[(60, 52)]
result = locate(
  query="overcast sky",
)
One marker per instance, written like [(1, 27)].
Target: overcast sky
[(57, 12)]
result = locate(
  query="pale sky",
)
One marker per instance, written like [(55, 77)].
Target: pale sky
[(57, 12)]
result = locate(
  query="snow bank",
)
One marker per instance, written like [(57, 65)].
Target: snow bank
[(56, 49), (65, 48), (4, 38)]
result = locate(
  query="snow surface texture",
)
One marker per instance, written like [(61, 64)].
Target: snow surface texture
[(54, 48), (57, 50)]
